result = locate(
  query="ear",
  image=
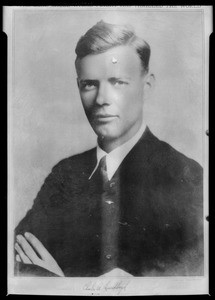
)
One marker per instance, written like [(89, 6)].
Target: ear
[(149, 84)]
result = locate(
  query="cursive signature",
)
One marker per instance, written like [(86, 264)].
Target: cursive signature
[(104, 286)]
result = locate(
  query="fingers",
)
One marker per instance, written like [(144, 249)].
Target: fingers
[(47, 261), (18, 258), (38, 246), (27, 249), (22, 255)]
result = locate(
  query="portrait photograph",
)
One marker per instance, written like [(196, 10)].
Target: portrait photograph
[(108, 149)]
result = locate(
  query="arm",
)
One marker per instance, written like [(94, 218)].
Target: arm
[(38, 223)]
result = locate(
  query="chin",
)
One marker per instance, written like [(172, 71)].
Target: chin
[(106, 132), (104, 135)]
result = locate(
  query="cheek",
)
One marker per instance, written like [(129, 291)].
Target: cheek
[(131, 100), (138, 91), (87, 99)]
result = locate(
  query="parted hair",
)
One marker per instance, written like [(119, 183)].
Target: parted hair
[(104, 36)]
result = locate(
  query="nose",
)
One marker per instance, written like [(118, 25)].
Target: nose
[(103, 95)]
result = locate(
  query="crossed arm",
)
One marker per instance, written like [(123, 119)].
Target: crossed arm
[(31, 251)]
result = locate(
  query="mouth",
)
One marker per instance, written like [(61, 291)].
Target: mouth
[(105, 117)]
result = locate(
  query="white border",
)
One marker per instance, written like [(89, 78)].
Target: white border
[(177, 285)]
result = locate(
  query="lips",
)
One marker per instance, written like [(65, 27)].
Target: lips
[(104, 117)]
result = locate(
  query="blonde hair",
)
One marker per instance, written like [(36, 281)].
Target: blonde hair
[(104, 36)]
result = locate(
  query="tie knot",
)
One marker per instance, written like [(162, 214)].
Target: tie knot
[(102, 164), (103, 170)]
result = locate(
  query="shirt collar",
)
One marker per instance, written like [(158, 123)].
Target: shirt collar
[(116, 156)]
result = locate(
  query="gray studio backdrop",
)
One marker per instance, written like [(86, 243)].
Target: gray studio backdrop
[(47, 119)]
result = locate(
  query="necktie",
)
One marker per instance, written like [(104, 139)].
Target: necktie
[(103, 170), (110, 218)]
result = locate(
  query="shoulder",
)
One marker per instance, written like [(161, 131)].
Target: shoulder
[(180, 165), (80, 158), (75, 163), (175, 164)]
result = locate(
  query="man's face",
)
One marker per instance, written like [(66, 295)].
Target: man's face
[(111, 86)]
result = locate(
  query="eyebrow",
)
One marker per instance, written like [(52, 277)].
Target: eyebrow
[(88, 80), (110, 79), (119, 78)]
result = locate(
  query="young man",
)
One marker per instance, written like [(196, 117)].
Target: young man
[(132, 203)]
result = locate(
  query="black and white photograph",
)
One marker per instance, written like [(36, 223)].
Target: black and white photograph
[(107, 150)]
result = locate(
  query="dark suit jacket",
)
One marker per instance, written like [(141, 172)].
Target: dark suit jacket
[(161, 213)]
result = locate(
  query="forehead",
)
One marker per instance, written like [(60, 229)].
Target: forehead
[(115, 62)]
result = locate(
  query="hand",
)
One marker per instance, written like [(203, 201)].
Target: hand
[(27, 248)]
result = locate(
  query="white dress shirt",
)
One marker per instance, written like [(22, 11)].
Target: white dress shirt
[(116, 156)]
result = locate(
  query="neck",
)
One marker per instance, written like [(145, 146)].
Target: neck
[(109, 145)]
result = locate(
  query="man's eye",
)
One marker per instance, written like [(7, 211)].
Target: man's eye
[(88, 86), (119, 82)]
